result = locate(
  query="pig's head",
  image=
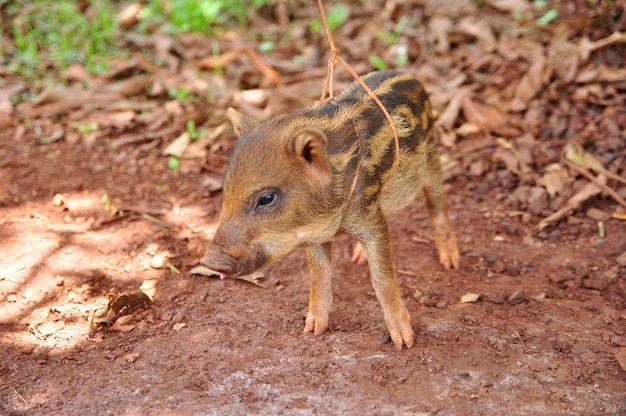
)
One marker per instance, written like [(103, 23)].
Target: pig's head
[(278, 194)]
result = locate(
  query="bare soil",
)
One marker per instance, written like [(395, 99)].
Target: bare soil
[(542, 339)]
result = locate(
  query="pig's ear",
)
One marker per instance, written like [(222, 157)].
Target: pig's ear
[(241, 122), (309, 147)]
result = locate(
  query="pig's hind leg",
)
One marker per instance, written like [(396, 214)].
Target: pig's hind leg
[(445, 239)]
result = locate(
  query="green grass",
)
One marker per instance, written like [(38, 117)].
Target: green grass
[(202, 16), (58, 33)]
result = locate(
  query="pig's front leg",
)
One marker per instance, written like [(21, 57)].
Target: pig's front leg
[(378, 250), (321, 298)]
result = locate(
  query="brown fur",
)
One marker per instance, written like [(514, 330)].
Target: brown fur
[(301, 178)]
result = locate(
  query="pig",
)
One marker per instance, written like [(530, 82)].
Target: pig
[(300, 178)]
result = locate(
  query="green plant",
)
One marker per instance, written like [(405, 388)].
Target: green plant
[(392, 39), (203, 16), (193, 132), (59, 32), (86, 128), (173, 163), (179, 94), (378, 62), (336, 16)]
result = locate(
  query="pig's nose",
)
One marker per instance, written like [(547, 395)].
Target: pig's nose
[(218, 262)]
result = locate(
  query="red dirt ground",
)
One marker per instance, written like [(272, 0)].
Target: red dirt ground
[(210, 346)]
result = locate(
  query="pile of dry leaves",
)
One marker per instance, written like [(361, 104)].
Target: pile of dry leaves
[(539, 107)]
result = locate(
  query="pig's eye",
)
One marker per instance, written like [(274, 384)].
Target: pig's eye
[(267, 200)]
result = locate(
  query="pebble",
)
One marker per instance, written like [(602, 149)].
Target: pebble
[(554, 235), (492, 257), (621, 259), (513, 268), (477, 168), (594, 284), (518, 297), (469, 319), (429, 301), (520, 196), (538, 200), (511, 228), (497, 298), (498, 266), (572, 220), (597, 214)]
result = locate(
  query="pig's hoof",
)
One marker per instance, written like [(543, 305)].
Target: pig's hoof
[(316, 325), (358, 255), (400, 339), (448, 252), (449, 257)]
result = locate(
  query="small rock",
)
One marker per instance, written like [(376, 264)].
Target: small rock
[(595, 284), (59, 281), (184, 286), (511, 228), (477, 168), (554, 235), (497, 298), (559, 276), (621, 259), (469, 319), (522, 195), (498, 266), (572, 220), (597, 214), (620, 355), (538, 200), (429, 301), (518, 297), (492, 257), (513, 268)]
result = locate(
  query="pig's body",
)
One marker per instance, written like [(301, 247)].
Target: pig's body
[(301, 178)]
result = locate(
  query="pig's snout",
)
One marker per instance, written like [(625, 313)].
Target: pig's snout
[(219, 261), (233, 259)]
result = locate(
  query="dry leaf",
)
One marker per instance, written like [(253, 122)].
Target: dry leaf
[(511, 6), (470, 298), (487, 118), (178, 146), (589, 190), (554, 180), (449, 116), (148, 287), (620, 356), (530, 84), (480, 30), (438, 28), (178, 326), (601, 73), (253, 278), (6, 106)]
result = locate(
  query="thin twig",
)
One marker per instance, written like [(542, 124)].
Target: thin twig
[(593, 179), (19, 395)]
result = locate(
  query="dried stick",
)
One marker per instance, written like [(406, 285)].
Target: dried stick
[(593, 179)]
